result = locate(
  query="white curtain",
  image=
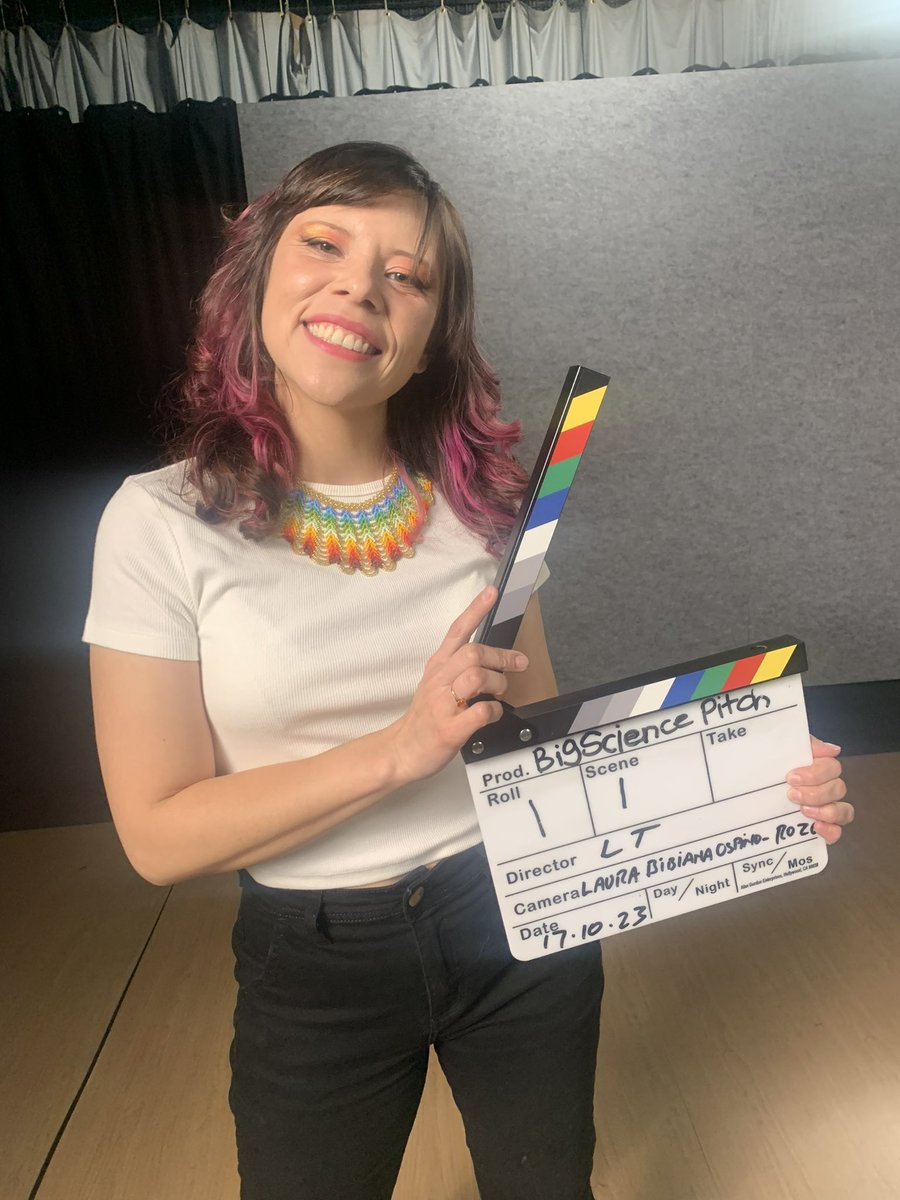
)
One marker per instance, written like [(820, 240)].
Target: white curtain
[(250, 55)]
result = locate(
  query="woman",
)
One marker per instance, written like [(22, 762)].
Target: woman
[(283, 678)]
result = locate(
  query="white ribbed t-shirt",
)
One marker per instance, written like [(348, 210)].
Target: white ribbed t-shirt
[(295, 657)]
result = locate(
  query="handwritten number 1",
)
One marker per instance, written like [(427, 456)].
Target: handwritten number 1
[(537, 817)]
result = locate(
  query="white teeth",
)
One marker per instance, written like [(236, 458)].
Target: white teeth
[(340, 337)]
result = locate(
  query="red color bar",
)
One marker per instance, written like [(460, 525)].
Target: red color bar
[(742, 673), (571, 442)]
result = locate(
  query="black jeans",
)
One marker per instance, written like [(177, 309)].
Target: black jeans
[(340, 994)]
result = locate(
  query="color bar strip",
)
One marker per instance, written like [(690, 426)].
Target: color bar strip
[(535, 541), (584, 408), (524, 573), (742, 672), (571, 443), (772, 666), (560, 475), (549, 487), (681, 689), (513, 604), (546, 508), (712, 681)]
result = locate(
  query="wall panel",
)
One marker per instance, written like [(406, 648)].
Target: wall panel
[(725, 246)]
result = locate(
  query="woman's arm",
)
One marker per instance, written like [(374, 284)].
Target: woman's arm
[(177, 819)]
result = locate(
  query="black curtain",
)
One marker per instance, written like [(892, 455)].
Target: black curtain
[(108, 231)]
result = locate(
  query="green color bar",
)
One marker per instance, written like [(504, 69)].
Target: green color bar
[(712, 681), (559, 477)]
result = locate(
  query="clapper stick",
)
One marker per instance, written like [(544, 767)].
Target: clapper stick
[(637, 800), (554, 470)]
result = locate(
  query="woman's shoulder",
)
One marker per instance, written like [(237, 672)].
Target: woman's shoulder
[(166, 489)]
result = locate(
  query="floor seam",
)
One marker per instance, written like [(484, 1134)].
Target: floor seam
[(48, 1158)]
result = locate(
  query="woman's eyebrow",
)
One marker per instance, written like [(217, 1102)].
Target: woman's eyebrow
[(422, 264), (315, 224)]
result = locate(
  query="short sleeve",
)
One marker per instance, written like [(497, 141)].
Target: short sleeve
[(140, 597)]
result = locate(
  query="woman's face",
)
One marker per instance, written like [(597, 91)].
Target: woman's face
[(345, 318)]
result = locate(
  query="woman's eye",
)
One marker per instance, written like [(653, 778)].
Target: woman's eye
[(406, 279), (318, 244)]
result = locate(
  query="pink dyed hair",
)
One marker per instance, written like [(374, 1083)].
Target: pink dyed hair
[(443, 423)]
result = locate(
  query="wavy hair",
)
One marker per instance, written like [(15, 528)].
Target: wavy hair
[(442, 423)]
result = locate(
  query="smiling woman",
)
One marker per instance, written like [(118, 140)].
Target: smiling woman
[(297, 717)]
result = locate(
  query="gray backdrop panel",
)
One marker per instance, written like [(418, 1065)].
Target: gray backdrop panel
[(725, 246)]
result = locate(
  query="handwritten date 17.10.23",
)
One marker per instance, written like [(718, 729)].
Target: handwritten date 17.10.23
[(627, 919)]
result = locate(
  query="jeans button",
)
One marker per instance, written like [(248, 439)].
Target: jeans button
[(416, 896)]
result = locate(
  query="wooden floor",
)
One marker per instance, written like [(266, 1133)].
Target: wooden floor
[(750, 1051)]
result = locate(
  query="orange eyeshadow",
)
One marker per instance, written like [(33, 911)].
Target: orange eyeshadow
[(322, 231)]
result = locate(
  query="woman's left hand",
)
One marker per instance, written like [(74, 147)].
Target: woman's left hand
[(819, 791)]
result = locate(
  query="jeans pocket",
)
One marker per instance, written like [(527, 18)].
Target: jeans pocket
[(254, 940)]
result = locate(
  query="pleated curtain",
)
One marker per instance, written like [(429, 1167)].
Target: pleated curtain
[(249, 56)]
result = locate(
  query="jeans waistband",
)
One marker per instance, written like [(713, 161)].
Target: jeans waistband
[(450, 875)]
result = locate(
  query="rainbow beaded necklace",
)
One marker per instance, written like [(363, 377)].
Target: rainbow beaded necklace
[(368, 539)]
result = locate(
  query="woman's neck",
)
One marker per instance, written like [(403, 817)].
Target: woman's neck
[(342, 448)]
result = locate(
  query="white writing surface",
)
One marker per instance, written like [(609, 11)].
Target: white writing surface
[(619, 825)]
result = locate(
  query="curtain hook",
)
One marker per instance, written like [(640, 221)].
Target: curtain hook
[(230, 13), (387, 11), (118, 18), (159, 8), (187, 11), (333, 11), (308, 13)]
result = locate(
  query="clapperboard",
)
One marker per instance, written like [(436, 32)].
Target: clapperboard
[(641, 799)]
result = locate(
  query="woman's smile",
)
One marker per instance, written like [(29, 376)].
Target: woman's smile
[(336, 335)]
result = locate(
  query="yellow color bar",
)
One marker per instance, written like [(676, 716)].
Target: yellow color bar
[(584, 409), (772, 666)]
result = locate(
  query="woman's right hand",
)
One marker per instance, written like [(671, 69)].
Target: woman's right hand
[(435, 726)]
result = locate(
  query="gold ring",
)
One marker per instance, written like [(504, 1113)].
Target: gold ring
[(459, 703)]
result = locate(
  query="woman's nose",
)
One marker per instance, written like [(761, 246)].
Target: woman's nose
[(361, 281)]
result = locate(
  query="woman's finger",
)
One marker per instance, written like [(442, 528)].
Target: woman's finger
[(475, 716), (822, 749), (837, 813), (466, 623), (822, 793), (820, 770), (828, 831), (456, 652), (473, 658), (478, 682)]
